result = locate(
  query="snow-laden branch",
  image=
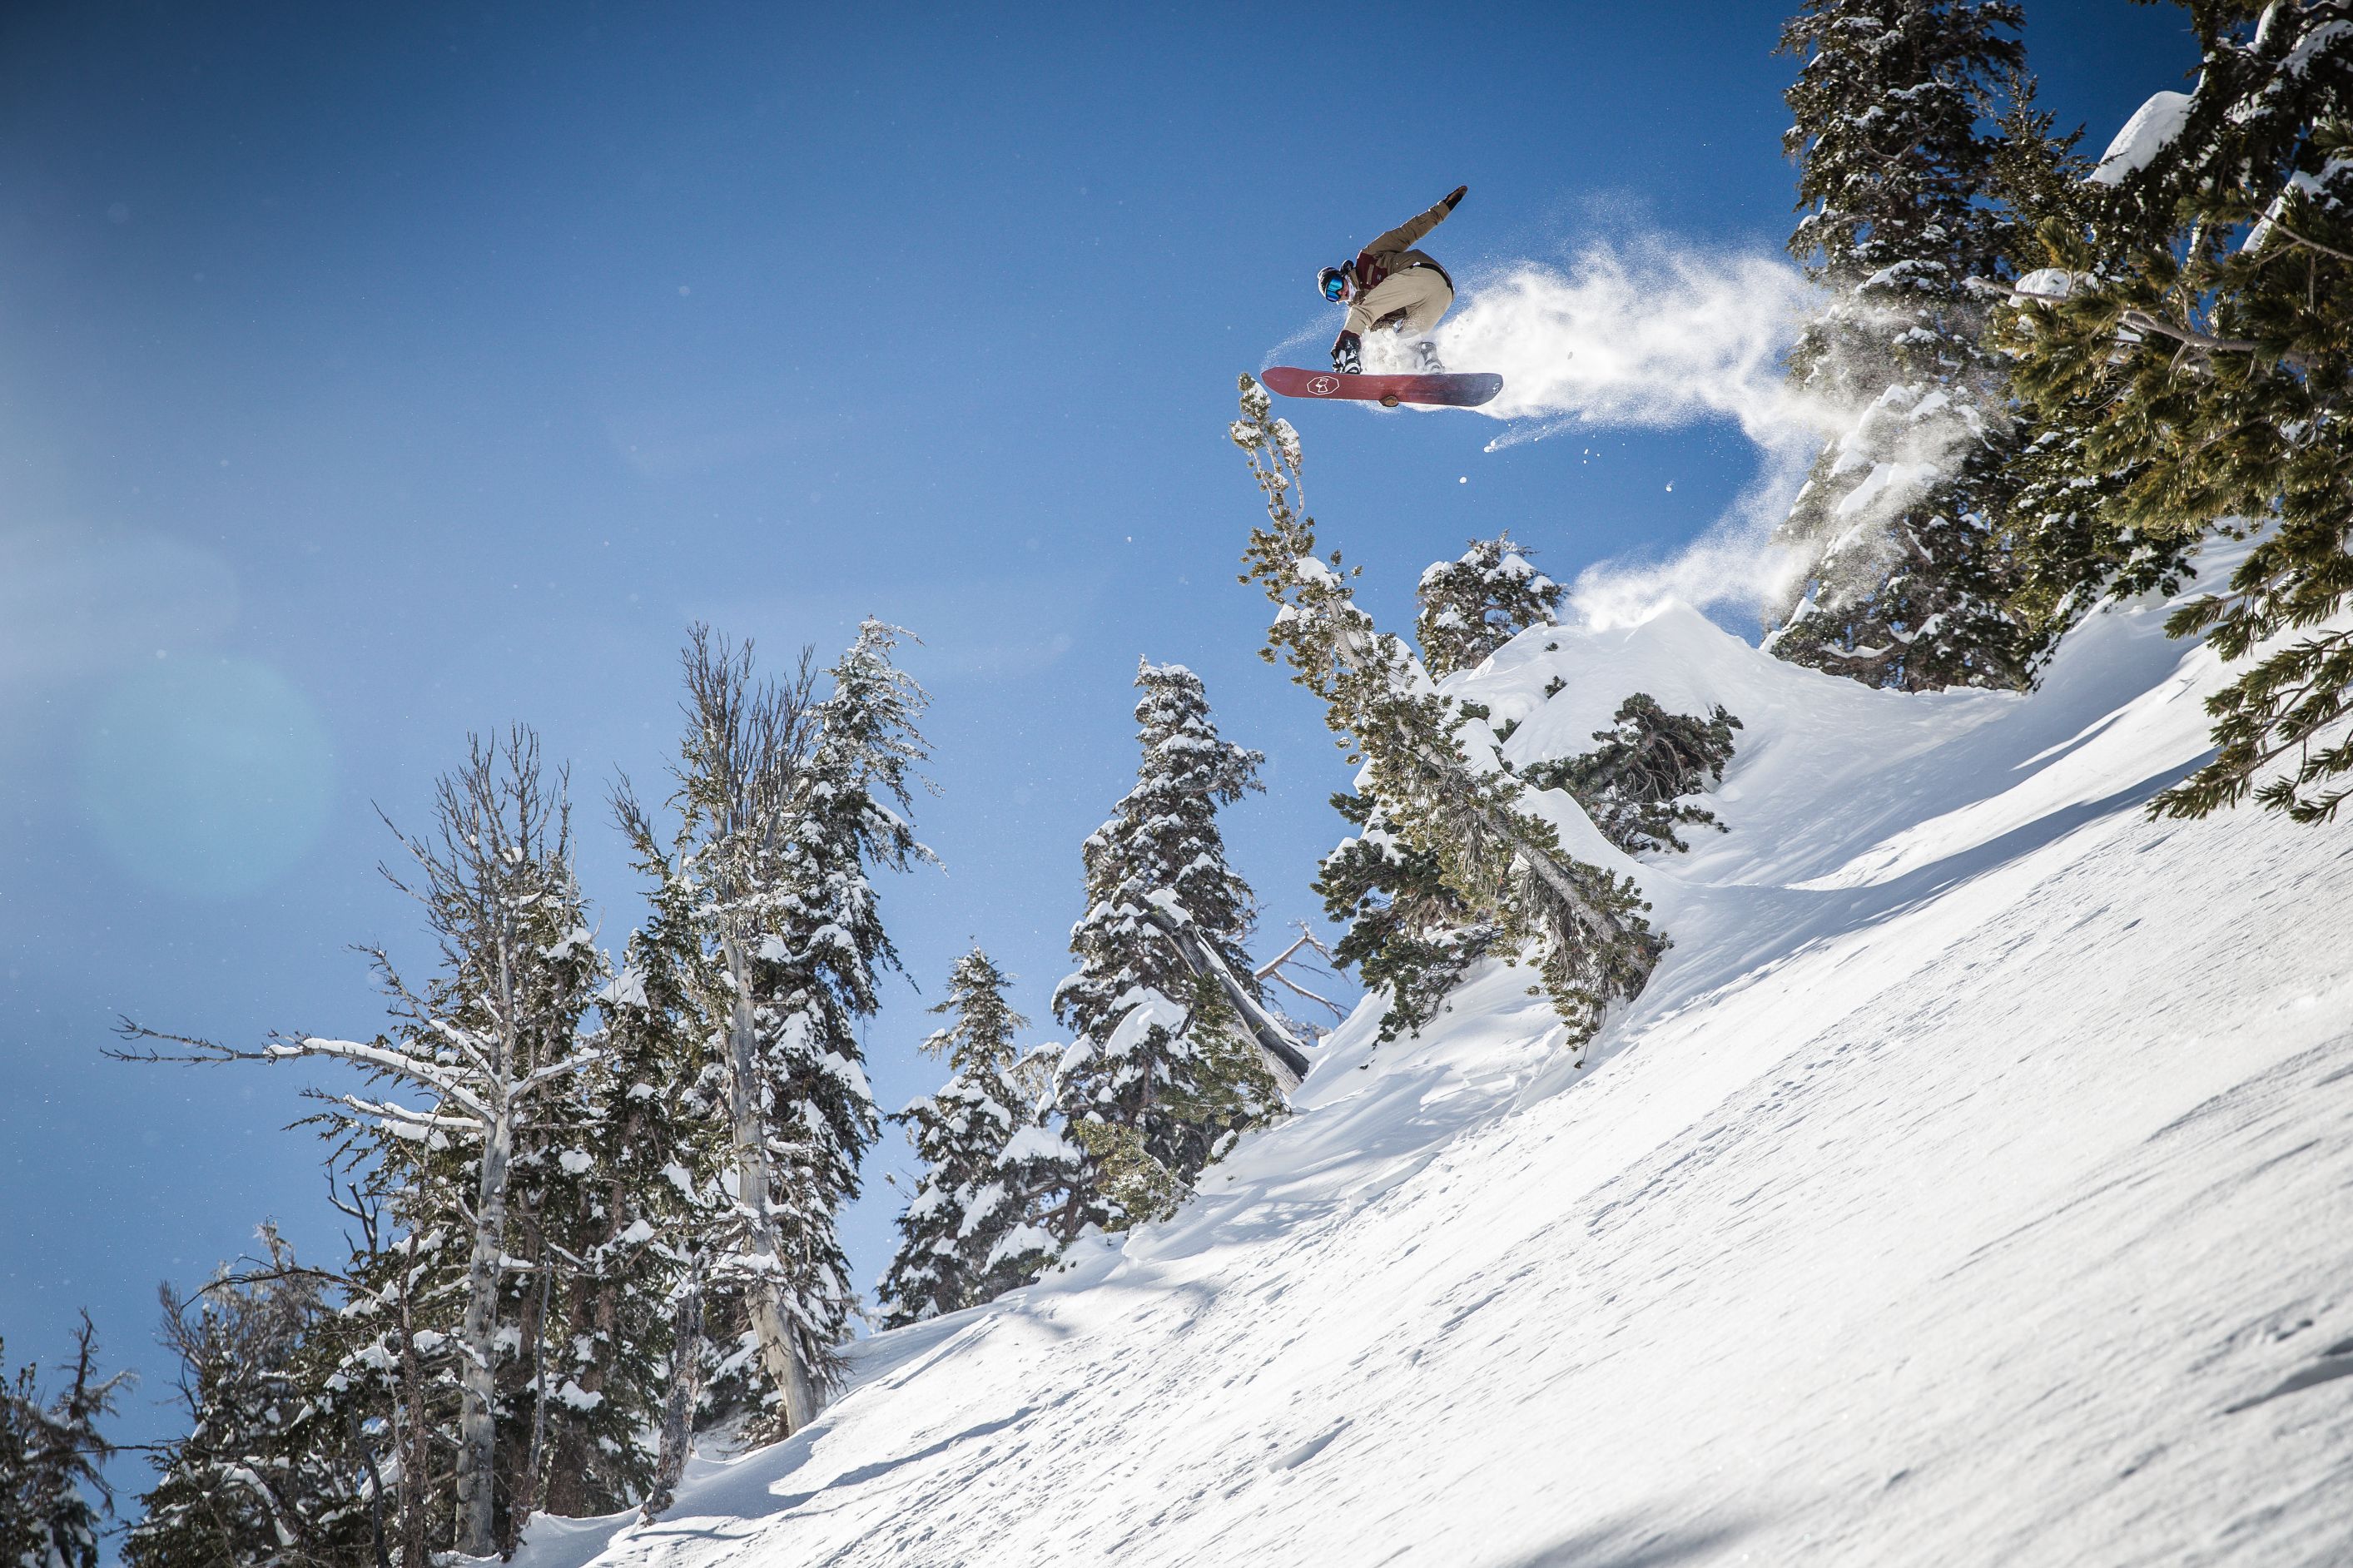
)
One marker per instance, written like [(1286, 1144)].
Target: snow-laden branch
[(2145, 322)]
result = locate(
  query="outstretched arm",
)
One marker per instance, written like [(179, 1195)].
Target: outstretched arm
[(1403, 236)]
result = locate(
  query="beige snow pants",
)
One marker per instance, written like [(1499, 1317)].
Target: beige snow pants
[(1420, 293)]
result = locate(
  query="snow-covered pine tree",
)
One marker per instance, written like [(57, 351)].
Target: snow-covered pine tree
[(956, 1133), (266, 1471), (1435, 772), (2204, 329), (493, 1046), (1150, 1083), (1905, 580), (971, 1231), (1409, 934), (1044, 1175), (829, 950), (1475, 604), (655, 1147), (2069, 546), (50, 1453), (377, 1370), (787, 803), (20, 1533), (593, 1199), (667, 1084), (1635, 782)]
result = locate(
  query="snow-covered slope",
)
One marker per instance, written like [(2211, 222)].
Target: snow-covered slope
[(1973, 1185)]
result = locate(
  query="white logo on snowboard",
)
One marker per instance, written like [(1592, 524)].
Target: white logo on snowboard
[(1324, 386)]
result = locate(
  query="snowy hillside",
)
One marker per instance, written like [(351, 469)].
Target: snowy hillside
[(1972, 1184)]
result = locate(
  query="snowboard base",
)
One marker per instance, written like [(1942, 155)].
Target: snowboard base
[(1445, 390)]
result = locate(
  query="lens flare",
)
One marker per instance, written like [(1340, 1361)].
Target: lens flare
[(207, 777)]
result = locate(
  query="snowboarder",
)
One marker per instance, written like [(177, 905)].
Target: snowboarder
[(1390, 284)]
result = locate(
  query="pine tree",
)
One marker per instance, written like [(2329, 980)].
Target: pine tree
[(1633, 785), (1147, 1083), (1435, 772), (2201, 328), (377, 1370), (2068, 545), (972, 1231), (1044, 1174), (494, 1045), (1905, 580), (836, 948), (668, 1172), (587, 1382), (259, 1476), (20, 1534), (1475, 604), (1410, 933), (50, 1451), (787, 802), (650, 1158)]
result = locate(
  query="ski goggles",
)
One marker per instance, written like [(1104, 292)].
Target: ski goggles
[(1335, 283)]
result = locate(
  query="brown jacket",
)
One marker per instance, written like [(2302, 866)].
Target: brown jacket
[(1394, 252)]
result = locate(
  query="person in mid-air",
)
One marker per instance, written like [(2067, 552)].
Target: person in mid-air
[(1390, 284)]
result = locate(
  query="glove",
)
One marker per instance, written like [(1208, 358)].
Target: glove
[(1347, 355), (1455, 195)]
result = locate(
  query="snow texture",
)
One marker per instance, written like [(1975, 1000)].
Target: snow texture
[(1972, 1184)]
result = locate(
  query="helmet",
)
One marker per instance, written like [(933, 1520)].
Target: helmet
[(1331, 282)]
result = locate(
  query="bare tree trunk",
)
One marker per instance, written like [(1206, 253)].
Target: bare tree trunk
[(1283, 1054), (375, 1492), (756, 1195), (525, 1502), (477, 1343), (417, 1456), (685, 1386)]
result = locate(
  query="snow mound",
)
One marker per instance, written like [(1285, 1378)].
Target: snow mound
[(2153, 125), (1972, 1184)]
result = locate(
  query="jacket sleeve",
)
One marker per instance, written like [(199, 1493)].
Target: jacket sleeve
[(1403, 236)]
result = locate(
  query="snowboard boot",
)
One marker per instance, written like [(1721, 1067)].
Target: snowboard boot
[(1347, 355), (1428, 352)]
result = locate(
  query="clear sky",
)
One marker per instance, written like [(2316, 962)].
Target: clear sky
[(370, 375)]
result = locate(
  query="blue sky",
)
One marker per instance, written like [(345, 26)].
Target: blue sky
[(368, 377)]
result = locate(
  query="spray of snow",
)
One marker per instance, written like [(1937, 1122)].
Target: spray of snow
[(1652, 336), (1657, 334)]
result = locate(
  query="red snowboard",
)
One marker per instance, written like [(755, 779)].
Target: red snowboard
[(1449, 391)]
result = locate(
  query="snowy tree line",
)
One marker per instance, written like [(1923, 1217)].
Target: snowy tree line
[(1175, 1050), (592, 1204), (592, 1200), (2066, 377)]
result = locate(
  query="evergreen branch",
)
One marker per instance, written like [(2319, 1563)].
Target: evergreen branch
[(579, 1061), (2143, 321), (2311, 243)]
